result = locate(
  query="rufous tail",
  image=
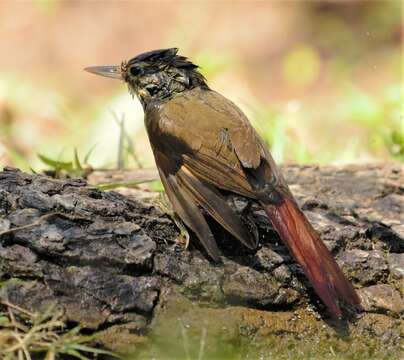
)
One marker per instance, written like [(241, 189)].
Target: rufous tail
[(313, 256)]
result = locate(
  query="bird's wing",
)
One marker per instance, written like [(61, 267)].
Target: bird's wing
[(214, 204), (185, 150), (186, 192), (187, 209), (217, 143)]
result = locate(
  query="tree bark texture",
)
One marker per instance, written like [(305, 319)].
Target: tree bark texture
[(110, 261)]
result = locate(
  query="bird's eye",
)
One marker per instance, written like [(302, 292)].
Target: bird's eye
[(135, 70)]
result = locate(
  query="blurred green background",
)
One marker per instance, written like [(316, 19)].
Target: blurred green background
[(321, 81)]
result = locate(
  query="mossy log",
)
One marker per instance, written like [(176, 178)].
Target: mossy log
[(111, 262)]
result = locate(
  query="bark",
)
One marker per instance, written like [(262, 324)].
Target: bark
[(110, 261)]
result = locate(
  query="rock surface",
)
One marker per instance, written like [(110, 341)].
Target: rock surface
[(110, 261)]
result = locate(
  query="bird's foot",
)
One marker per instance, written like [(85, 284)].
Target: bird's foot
[(182, 239)]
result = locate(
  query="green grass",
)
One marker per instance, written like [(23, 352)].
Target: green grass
[(25, 335)]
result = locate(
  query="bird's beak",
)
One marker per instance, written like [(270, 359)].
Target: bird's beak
[(110, 71)]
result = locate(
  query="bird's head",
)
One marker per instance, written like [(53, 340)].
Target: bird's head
[(155, 75)]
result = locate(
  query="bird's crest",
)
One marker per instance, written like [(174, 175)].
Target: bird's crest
[(164, 57)]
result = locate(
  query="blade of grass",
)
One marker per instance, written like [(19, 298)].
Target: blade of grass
[(76, 163), (128, 184)]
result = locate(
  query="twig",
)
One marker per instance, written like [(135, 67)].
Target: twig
[(40, 220), (20, 346), (16, 307), (35, 223)]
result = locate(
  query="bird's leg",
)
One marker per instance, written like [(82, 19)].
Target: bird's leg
[(182, 240)]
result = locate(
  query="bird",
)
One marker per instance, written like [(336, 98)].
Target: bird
[(204, 148)]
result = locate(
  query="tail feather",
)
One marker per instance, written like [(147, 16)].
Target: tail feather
[(313, 256)]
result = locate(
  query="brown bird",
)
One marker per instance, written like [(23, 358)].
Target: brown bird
[(204, 146)]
